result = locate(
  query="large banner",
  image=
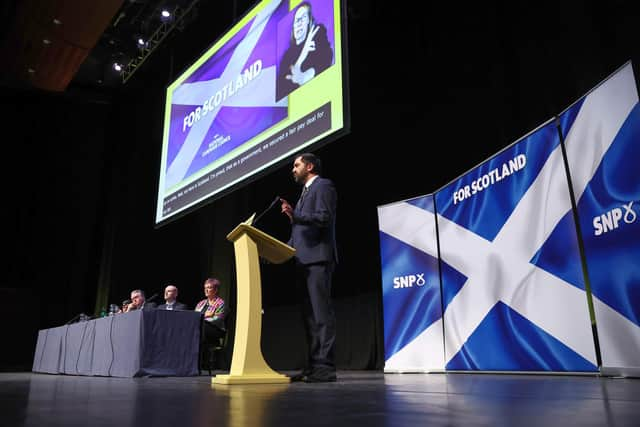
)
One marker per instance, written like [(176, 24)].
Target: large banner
[(413, 339), (602, 137), (514, 295)]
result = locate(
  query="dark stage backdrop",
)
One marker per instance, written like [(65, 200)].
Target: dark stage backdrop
[(435, 90)]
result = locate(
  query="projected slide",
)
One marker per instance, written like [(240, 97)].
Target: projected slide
[(602, 135), (413, 339), (269, 87), (513, 291)]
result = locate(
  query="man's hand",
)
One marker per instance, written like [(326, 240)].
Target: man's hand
[(286, 209), (309, 45)]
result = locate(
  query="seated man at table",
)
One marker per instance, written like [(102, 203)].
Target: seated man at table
[(170, 298), (138, 302)]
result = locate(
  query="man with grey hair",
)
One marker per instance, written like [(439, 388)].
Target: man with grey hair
[(171, 301), (138, 302)]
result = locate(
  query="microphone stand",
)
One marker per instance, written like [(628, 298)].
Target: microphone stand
[(266, 210), (75, 318), (153, 297)]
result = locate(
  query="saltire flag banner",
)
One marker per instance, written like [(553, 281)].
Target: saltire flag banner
[(413, 333), (513, 288), (602, 138)]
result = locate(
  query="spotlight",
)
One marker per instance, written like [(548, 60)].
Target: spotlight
[(117, 66), (166, 16), (141, 42)]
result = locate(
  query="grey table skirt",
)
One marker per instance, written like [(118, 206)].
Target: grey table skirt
[(134, 344)]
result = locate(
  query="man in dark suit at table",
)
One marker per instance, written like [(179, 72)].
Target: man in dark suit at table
[(138, 302), (313, 222), (170, 299)]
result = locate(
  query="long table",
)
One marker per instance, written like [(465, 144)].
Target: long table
[(134, 344)]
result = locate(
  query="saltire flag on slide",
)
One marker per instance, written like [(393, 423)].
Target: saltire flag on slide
[(230, 99)]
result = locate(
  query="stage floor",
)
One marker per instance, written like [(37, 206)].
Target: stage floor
[(358, 398)]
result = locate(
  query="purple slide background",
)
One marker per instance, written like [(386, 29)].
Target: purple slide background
[(240, 123)]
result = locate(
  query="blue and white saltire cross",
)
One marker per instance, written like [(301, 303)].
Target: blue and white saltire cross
[(602, 136), (413, 334), (513, 290)]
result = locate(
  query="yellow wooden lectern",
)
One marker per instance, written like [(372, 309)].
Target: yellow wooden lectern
[(247, 364)]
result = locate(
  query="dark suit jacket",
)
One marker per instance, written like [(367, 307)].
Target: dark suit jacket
[(177, 306), (149, 306), (313, 230)]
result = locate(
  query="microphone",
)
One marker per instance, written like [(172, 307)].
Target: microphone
[(75, 318), (154, 296), (276, 200)]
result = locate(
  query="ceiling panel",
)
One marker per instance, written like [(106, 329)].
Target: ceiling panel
[(51, 65)]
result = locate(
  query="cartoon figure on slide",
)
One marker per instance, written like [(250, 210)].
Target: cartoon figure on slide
[(309, 52)]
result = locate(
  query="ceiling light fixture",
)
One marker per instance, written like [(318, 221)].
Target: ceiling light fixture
[(169, 21)]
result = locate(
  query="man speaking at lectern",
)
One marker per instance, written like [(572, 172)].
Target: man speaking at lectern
[(313, 236)]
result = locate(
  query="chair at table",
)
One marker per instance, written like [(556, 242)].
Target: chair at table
[(212, 345)]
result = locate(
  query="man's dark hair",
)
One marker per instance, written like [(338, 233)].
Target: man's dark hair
[(312, 159)]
